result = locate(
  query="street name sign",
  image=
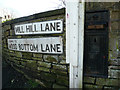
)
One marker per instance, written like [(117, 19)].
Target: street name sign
[(45, 27), (50, 45)]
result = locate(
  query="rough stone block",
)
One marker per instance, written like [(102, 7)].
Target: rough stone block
[(18, 54), (115, 15), (112, 43), (16, 62), (59, 67), (113, 54), (18, 36), (115, 62), (11, 54), (37, 59), (59, 72), (114, 25), (7, 27), (116, 6), (108, 82), (11, 51), (37, 55), (62, 59), (43, 69), (111, 88), (62, 80), (44, 64), (23, 63), (89, 80), (31, 64), (114, 73), (89, 87), (27, 55), (117, 67), (12, 32), (48, 77), (11, 58), (47, 84), (7, 33), (4, 41), (58, 86), (16, 58), (49, 58), (4, 45)]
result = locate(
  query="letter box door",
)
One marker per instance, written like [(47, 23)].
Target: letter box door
[(95, 54), (96, 44)]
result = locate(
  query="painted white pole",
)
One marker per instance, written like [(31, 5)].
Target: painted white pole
[(75, 41)]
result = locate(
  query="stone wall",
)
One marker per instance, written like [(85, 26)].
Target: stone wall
[(112, 82), (51, 71)]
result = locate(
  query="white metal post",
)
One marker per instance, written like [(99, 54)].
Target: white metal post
[(75, 41)]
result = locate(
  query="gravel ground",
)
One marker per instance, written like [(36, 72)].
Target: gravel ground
[(13, 79)]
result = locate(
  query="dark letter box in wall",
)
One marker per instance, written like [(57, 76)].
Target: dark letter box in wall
[(96, 44)]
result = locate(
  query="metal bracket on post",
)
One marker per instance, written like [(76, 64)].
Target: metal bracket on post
[(75, 41)]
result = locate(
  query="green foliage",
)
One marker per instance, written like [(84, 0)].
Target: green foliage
[(7, 20)]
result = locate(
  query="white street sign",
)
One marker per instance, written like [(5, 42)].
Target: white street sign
[(50, 45), (46, 27)]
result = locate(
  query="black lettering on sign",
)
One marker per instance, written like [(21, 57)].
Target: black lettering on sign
[(47, 27), (29, 28), (31, 47), (41, 27), (36, 47), (21, 30), (27, 47), (58, 47), (58, 26), (42, 48), (53, 48), (24, 46), (35, 28), (13, 46), (52, 27), (17, 29), (47, 48), (21, 47)]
